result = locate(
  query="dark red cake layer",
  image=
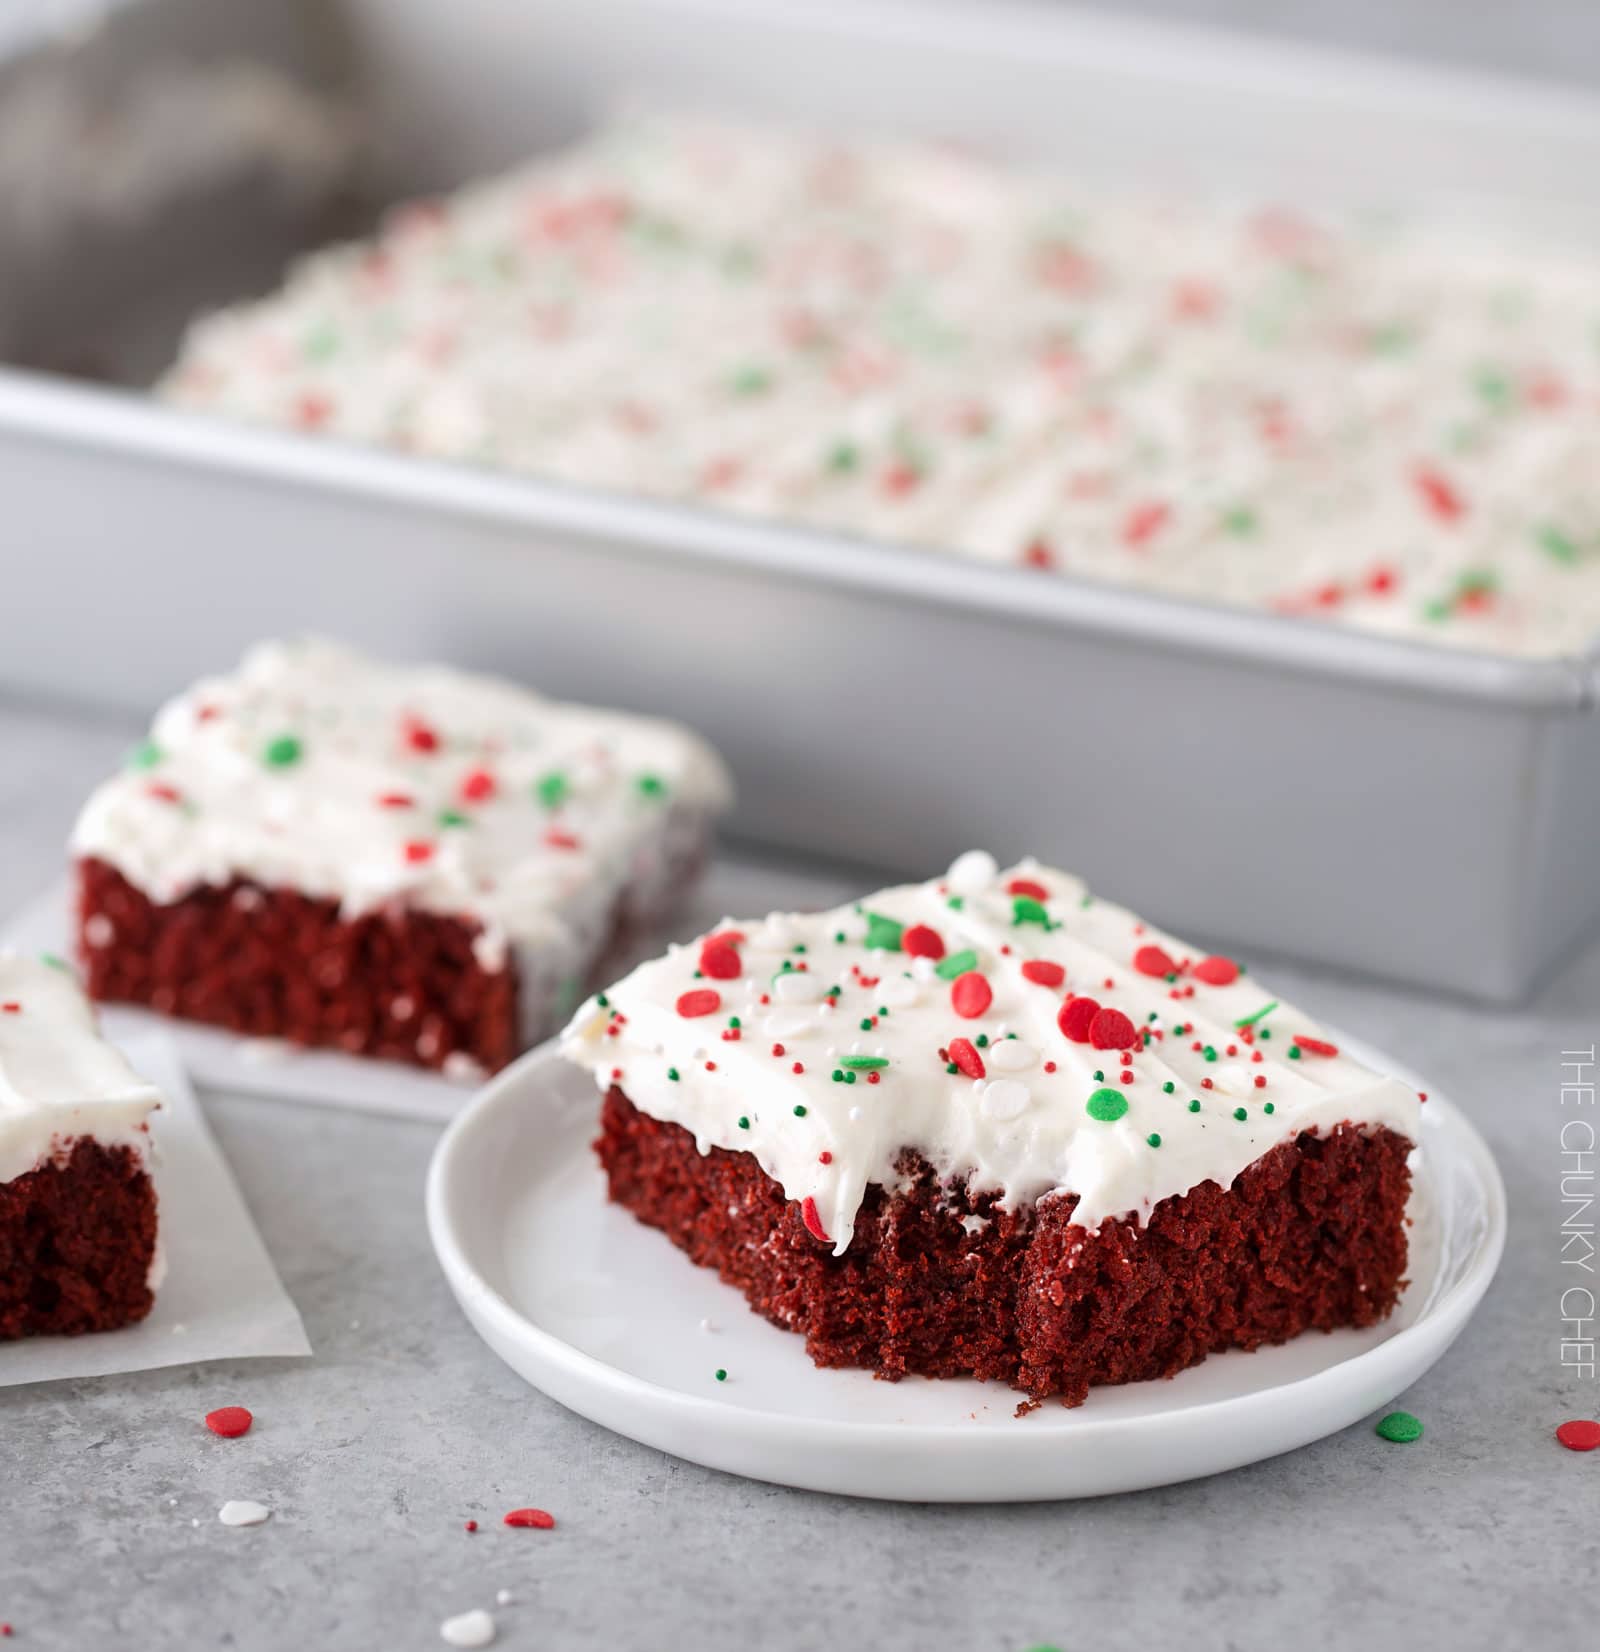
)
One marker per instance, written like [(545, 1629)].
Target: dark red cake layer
[(277, 964), (1310, 1237), (76, 1239)]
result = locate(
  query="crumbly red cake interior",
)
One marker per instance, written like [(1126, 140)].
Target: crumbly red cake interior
[(77, 1235), (274, 963), (1311, 1236)]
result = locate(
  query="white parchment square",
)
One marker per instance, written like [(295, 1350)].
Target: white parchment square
[(222, 1298)]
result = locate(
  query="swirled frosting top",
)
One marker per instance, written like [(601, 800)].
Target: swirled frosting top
[(317, 769), (1016, 1033)]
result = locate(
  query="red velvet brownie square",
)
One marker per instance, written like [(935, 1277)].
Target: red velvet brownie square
[(412, 863), (78, 1249), (991, 1126)]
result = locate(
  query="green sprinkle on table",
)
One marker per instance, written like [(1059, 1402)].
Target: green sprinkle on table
[(1399, 1428)]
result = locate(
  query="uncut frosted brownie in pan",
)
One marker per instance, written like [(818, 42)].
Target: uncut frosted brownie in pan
[(991, 1126)]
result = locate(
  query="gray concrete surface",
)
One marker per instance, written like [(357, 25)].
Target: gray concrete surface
[(404, 1426)]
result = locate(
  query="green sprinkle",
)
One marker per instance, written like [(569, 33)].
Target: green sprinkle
[(673, 1074), (751, 381), (839, 937), (1098, 1076), (722, 1375), (1026, 910), (1194, 1106), (1106, 1105), (552, 789), (1294, 1052), (883, 934), (849, 1078), (55, 961), (838, 1075), (865, 1023), (843, 458), (1211, 1052), (1240, 1114), (601, 999), (958, 963), (145, 755), (950, 1067), (744, 1122), (282, 753), (864, 1063), (1555, 543), (1153, 1139), (1169, 1087), (453, 817), (1265, 1033), (651, 785), (1260, 1014), (1269, 1107), (956, 902), (1399, 1428), (799, 1110), (1240, 521)]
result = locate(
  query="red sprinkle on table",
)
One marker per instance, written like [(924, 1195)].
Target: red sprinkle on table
[(813, 1222), (471, 1526), (719, 960), (1043, 973), (1029, 887), (1152, 960), (1216, 971), (702, 1001), (1316, 1046), (965, 1055), (536, 1518), (922, 941), (970, 994), (230, 1421), (1112, 1030), (1076, 1017), (1579, 1435)]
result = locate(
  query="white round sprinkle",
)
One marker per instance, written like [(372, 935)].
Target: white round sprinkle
[(1011, 1055), (899, 993), (789, 1024), (1005, 1098), (475, 1628), (503, 1598), (797, 987), (242, 1512), (1234, 1080), (973, 871)]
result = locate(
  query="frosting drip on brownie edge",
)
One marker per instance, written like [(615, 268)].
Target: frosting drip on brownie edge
[(966, 1060)]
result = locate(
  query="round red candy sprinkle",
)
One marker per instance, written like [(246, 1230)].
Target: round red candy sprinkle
[(1043, 973), (1028, 886), (1152, 960), (1579, 1435), (965, 1055), (1316, 1046), (922, 941), (536, 1518), (1112, 1030), (418, 851), (1217, 972), (419, 736), (970, 994), (702, 1001), (1076, 1017), (478, 786), (230, 1421), (719, 960), (813, 1222)]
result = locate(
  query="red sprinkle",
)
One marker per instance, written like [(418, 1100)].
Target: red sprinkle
[(1438, 493), (417, 851), (922, 941), (478, 786), (1043, 973), (395, 800), (971, 994), (813, 1222), (702, 1001), (230, 1421), (1217, 971), (1579, 1435), (536, 1518), (561, 840), (1152, 960), (1144, 522), (1112, 1030), (11, 1008), (1027, 886), (419, 736), (1316, 1046), (1076, 1017), (719, 960), (964, 1053), (472, 1525)]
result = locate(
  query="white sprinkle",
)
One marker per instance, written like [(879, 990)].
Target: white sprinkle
[(789, 1024), (475, 1628), (854, 1115), (1005, 1098), (1011, 1055), (707, 1326), (503, 1597), (242, 1512), (460, 1068), (265, 1052), (973, 871), (899, 993)]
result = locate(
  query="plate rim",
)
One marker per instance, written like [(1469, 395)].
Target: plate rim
[(1445, 1317)]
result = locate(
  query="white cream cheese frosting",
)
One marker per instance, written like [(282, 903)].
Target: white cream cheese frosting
[(1016, 1033), (317, 769), (60, 1081), (1352, 418)]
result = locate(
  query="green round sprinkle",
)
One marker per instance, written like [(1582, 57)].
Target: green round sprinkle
[(1399, 1428), (982, 1041), (950, 1067), (864, 1063), (1106, 1105), (1153, 1139), (601, 999), (1099, 1077), (1240, 1114), (552, 789), (453, 817), (838, 1075), (849, 1078), (1211, 1052), (282, 753), (958, 963), (865, 1023), (956, 902), (1169, 1087), (1194, 1106), (843, 457), (744, 1123), (651, 785), (1294, 1052), (722, 1375), (145, 755), (733, 1021), (673, 1074), (799, 1111), (1269, 1108)]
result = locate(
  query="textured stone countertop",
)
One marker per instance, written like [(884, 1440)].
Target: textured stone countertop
[(404, 1426)]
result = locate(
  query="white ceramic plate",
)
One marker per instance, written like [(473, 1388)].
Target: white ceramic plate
[(609, 1318)]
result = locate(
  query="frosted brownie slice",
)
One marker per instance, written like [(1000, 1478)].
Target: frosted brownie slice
[(414, 863), (78, 1247), (989, 1125)]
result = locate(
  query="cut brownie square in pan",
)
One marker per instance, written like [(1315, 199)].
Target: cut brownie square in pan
[(414, 863)]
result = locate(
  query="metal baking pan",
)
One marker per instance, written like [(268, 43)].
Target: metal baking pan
[(1255, 781)]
